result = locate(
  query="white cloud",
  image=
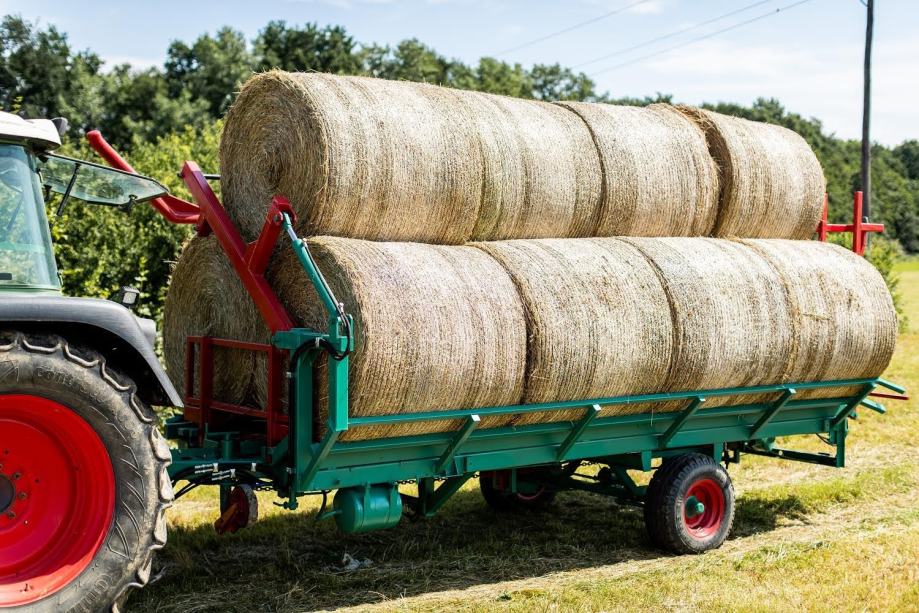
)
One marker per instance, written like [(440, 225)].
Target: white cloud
[(648, 8), (825, 82)]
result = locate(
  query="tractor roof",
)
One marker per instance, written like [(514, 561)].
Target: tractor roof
[(40, 132)]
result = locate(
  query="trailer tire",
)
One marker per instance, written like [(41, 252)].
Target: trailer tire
[(89, 455), (502, 500), (689, 504)]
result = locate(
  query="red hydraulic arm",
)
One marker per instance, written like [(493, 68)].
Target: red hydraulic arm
[(208, 215)]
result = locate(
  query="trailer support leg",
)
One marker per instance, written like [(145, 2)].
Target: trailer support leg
[(430, 500)]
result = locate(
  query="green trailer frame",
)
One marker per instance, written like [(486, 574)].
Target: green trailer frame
[(369, 470)]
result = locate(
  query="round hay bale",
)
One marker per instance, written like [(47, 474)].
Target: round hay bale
[(772, 185), (206, 298), (843, 318), (598, 319), (732, 324), (356, 156), (658, 176), (398, 161), (435, 328), (542, 176)]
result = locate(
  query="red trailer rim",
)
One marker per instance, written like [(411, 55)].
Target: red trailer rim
[(703, 508), (60, 505)]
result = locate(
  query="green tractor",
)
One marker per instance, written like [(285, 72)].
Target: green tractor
[(83, 479)]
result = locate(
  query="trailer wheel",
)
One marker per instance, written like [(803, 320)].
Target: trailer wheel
[(495, 486), (689, 504), (83, 482)]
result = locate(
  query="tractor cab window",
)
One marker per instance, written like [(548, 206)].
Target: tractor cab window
[(26, 256)]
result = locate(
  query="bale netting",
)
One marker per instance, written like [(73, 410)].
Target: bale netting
[(732, 325), (397, 161), (598, 319), (436, 327), (772, 185), (843, 318), (658, 176), (206, 298)]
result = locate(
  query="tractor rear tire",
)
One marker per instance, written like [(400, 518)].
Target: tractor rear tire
[(689, 504), (86, 466), (494, 486)]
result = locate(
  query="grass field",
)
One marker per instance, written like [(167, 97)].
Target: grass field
[(805, 537)]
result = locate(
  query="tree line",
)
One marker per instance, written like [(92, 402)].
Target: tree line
[(163, 115)]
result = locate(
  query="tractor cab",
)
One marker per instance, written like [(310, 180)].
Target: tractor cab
[(29, 175)]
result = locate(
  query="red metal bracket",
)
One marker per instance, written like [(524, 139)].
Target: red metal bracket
[(859, 228)]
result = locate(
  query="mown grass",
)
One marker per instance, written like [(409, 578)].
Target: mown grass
[(789, 548)]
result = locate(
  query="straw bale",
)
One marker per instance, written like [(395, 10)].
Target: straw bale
[(732, 324), (206, 298), (356, 156), (398, 161), (542, 176), (598, 319), (658, 176), (772, 185), (843, 318), (435, 328)]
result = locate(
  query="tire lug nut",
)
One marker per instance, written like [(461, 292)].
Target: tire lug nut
[(16, 476), (23, 495), (11, 514)]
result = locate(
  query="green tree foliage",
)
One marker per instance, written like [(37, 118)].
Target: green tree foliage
[(162, 116)]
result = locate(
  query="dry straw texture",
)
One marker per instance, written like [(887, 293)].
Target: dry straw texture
[(772, 185), (206, 298), (436, 327), (542, 176), (387, 160), (658, 176), (732, 325), (598, 320), (842, 316)]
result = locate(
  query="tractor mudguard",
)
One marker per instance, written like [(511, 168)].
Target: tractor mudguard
[(125, 340)]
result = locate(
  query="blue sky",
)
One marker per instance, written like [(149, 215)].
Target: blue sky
[(808, 56)]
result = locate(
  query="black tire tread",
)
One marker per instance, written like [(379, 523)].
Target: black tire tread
[(662, 495), (91, 360)]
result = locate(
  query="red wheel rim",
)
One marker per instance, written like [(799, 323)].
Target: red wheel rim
[(62, 502), (705, 521)]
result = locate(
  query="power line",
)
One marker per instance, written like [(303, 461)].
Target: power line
[(658, 39), (700, 38), (574, 27)]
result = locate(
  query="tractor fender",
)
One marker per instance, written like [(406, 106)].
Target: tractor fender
[(125, 340)]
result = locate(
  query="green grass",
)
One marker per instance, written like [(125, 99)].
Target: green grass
[(806, 537)]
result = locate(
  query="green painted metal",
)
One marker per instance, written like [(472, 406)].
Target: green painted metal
[(577, 432), (681, 419), (768, 415), (362, 509), (464, 433)]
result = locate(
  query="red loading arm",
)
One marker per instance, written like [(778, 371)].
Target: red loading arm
[(175, 210), (249, 261)]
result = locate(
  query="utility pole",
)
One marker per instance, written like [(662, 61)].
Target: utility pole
[(866, 113)]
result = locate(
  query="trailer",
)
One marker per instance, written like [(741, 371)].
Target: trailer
[(86, 476), (688, 504)]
